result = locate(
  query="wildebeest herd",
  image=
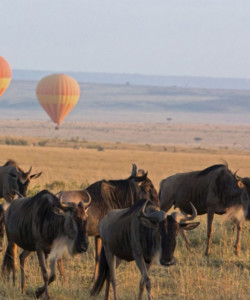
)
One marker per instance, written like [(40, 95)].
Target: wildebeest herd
[(127, 218)]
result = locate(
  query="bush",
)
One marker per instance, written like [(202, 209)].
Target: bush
[(55, 185), (197, 139), (42, 143), (21, 142)]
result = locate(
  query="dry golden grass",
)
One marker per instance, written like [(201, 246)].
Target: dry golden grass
[(221, 276)]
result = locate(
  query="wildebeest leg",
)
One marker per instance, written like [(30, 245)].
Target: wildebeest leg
[(9, 261), (44, 288), (61, 269), (1, 227), (52, 277), (111, 263), (145, 278), (23, 256), (142, 283), (238, 236), (98, 247), (210, 217), (106, 297), (118, 261), (185, 238)]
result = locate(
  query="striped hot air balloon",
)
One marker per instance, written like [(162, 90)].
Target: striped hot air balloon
[(5, 75), (57, 94)]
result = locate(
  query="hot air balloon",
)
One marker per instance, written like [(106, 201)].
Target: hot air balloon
[(57, 94), (5, 75)]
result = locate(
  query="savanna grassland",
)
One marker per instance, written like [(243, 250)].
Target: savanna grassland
[(222, 275)]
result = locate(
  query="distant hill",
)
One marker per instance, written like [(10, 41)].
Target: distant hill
[(148, 80), (129, 102)]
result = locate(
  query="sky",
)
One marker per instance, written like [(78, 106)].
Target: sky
[(154, 37)]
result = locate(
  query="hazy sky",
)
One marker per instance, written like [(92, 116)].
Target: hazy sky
[(162, 37)]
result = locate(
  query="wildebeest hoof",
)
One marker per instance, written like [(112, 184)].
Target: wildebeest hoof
[(39, 292)]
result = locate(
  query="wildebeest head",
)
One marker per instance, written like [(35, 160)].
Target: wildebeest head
[(245, 182), (145, 187), (168, 226), (24, 179), (75, 223), (234, 190)]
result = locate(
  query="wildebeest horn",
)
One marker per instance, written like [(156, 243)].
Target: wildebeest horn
[(183, 217), (142, 212), (29, 170), (86, 204), (134, 169), (236, 176), (65, 205), (156, 216)]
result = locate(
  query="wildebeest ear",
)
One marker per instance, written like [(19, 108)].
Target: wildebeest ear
[(240, 184), (142, 178), (34, 176), (189, 226), (58, 211), (5, 206), (148, 223)]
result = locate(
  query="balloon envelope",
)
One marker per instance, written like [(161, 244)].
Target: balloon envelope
[(57, 94), (5, 75)]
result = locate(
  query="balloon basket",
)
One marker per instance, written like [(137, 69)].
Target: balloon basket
[(57, 127)]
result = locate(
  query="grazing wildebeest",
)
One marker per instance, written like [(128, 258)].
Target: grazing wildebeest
[(112, 194), (138, 233), (13, 181), (213, 191), (44, 224)]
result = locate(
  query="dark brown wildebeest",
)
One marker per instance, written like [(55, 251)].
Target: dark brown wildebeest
[(14, 181), (44, 224), (213, 191), (138, 233), (112, 194)]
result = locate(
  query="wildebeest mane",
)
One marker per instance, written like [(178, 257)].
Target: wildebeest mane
[(115, 194), (47, 222), (210, 169), (12, 163), (138, 204)]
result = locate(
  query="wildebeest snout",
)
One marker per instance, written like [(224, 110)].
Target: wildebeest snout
[(83, 247), (167, 263)]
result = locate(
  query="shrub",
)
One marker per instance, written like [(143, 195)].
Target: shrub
[(21, 142), (42, 143), (55, 185)]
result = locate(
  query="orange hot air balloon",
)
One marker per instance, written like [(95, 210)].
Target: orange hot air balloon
[(5, 75), (57, 94)]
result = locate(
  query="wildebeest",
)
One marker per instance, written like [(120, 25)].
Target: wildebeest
[(44, 224), (138, 233), (213, 191), (112, 194), (14, 181)]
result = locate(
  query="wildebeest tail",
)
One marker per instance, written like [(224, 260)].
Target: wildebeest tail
[(9, 261), (103, 274)]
